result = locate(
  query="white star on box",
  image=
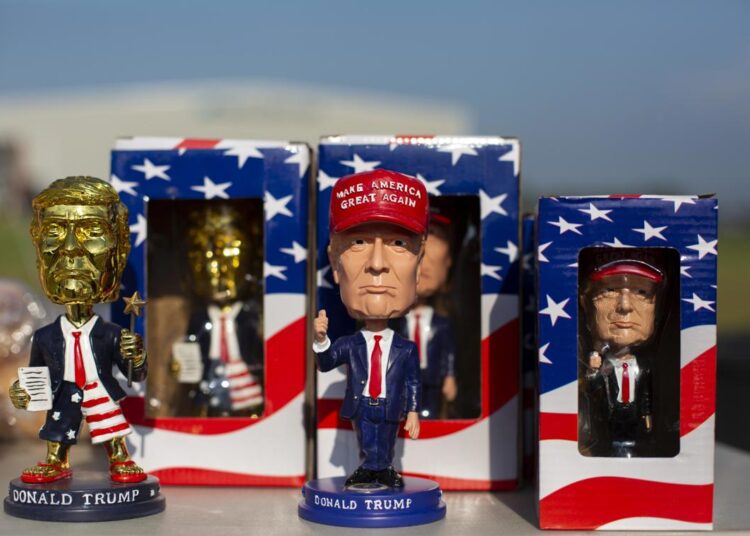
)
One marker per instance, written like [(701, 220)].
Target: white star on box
[(512, 156), (684, 271), (211, 189), (555, 310), (243, 152), (678, 200), (274, 271), (651, 232), (431, 186), (596, 213), (704, 248), (360, 165), (540, 252), (490, 271), (123, 186), (70, 434), (151, 171), (491, 205), (457, 151), (565, 226), (152, 492), (511, 251), (617, 244), (322, 281), (301, 157), (139, 228), (699, 303), (543, 358), (297, 251), (526, 260), (56, 416), (76, 398), (274, 206), (324, 181)]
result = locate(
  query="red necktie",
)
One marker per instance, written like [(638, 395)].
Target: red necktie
[(375, 377), (223, 346), (78, 360), (625, 384), (418, 336)]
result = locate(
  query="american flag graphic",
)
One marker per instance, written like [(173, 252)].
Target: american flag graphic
[(268, 451), (580, 492), (469, 454)]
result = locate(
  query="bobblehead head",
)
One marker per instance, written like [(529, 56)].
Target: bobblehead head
[(437, 260), (378, 227), (81, 236), (620, 303)]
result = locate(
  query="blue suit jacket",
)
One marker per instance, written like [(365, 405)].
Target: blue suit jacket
[(441, 348), (403, 386), (48, 350)]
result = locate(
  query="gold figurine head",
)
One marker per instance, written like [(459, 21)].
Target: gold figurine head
[(81, 235), (218, 251)]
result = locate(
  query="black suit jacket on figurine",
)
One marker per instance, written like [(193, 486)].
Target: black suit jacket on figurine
[(604, 384), (48, 350), (441, 348), (403, 385), (251, 346)]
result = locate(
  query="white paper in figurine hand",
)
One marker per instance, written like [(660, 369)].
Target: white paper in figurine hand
[(188, 355), (36, 382)]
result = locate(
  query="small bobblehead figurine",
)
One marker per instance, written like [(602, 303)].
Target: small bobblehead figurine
[(226, 324), (378, 223), (620, 302), (431, 332)]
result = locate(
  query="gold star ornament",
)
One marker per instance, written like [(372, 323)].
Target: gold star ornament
[(134, 304)]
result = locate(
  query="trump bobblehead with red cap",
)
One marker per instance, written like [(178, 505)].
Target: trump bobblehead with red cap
[(620, 307), (378, 223)]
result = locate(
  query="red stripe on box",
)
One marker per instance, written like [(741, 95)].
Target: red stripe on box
[(90, 386), (580, 504), (238, 375), (95, 402), (189, 476), (110, 430), (197, 144), (697, 391), (558, 426), (283, 383), (103, 416)]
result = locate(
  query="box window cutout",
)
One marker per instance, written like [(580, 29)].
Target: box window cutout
[(629, 352), (204, 324), (446, 315)]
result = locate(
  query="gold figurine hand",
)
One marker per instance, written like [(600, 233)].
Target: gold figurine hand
[(174, 368), (131, 347), (19, 396)]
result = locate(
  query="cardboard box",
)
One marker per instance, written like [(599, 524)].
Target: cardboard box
[(476, 181), (160, 179), (668, 482)]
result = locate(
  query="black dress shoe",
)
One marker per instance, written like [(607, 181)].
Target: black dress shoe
[(389, 477), (361, 476)]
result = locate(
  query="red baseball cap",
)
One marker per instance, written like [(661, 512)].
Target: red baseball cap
[(627, 267), (379, 196)]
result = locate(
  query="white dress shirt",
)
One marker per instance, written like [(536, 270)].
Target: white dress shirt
[(215, 314), (425, 330), (633, 371), (89, 364)]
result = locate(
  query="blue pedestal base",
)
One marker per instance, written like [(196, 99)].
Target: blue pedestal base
[(87, 496), (326, 501)]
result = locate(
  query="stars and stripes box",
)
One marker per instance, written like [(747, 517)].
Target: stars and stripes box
[(528, 344), (668, 484), (266, 449), (476, 181)]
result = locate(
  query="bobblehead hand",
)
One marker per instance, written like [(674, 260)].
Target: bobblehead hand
[(19, 396), (131, 347), (320, 326), (450, 388), (412, 424), (595, 360)]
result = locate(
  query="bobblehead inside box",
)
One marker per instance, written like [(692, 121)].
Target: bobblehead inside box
[(627, 361), (219, 234), (465, 321)]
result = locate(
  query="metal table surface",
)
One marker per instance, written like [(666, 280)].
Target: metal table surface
[(270, 511)]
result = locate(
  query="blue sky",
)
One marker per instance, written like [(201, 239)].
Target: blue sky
[(605, 96)]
